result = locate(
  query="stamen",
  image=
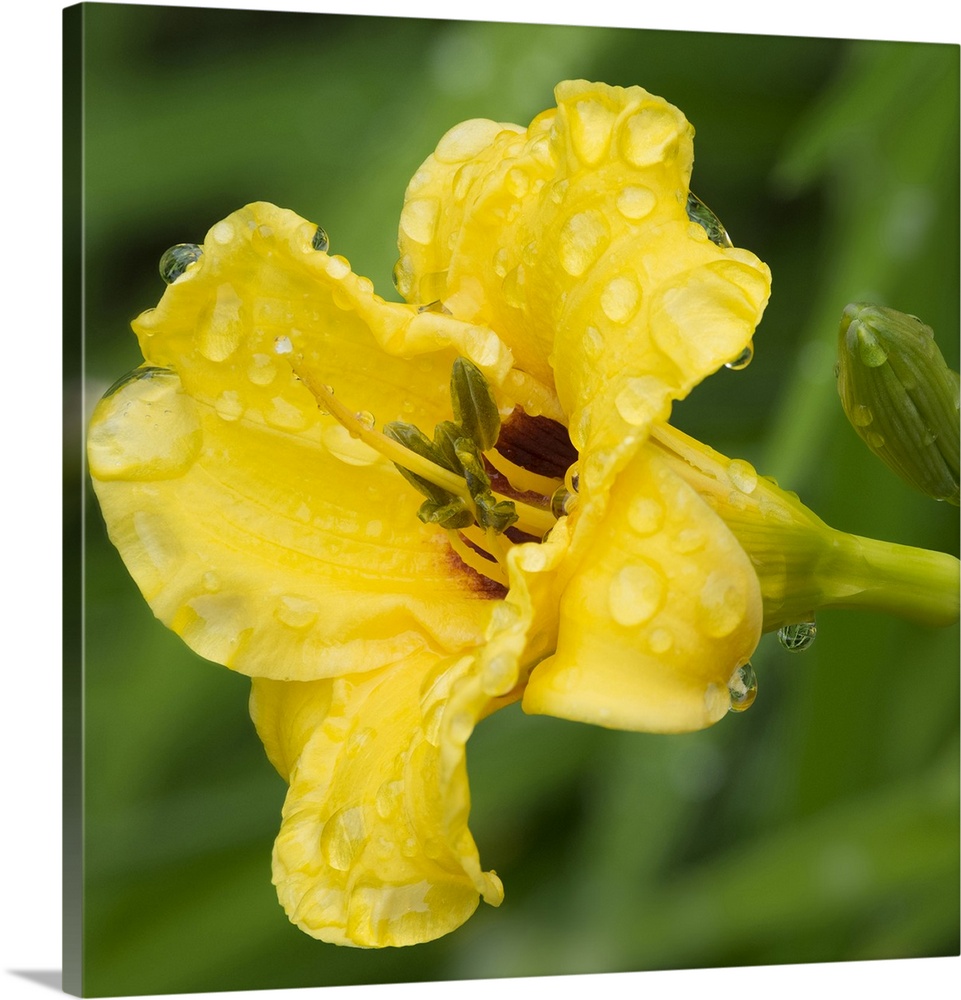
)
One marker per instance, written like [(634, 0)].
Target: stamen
[(390, 449), (520, 478), (472, 558), (530, 519)]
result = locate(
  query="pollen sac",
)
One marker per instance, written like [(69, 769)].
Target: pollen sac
[(900, 396), (474, 406), (453, 514)]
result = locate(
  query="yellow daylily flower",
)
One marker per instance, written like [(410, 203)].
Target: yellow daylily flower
[(259, 474)]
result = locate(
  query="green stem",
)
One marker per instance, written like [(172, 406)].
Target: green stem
[(912, 583), (802, 564)]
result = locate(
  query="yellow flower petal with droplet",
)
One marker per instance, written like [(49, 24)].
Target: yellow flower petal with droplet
[(255, 525), (661, 607), (374, 848), (572, 240)]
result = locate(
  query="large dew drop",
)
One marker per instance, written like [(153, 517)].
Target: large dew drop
[(743, 688), (742, 360), (177, 259), (320, 240), (798, 637), (145, 428)]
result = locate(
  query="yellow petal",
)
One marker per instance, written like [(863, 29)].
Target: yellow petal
[(374, 848), (661, 608), (572, 240), (255, 525)]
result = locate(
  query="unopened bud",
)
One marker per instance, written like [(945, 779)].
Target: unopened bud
[(900, 396)]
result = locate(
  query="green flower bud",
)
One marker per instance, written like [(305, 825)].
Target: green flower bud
[(900, 396)]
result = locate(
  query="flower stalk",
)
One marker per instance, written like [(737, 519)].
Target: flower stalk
[(803, 564)]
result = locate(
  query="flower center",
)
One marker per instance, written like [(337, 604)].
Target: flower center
[(489, 484)]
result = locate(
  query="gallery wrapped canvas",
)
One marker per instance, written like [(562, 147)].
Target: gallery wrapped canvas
[(483, 576)]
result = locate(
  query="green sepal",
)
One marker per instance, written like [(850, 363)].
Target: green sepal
[(900, 396), (474, 406), (454, 514)]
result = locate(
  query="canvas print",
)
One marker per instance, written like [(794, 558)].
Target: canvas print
[(518, 500)]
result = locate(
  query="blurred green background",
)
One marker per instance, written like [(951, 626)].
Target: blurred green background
[(821, 825)]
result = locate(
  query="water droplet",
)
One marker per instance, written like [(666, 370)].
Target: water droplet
[(145, 429), (660, 641), (743, 688), (296, 612), (229, 406), (357, 741), (798, 637), (177, 259), (419, 218), (742, 360), (861, 415), (388, 798), (533, 559), (722, 604), (220, 333), (870, 351), (365, 418), (620, 298), (437, 306), (742, 475), (159, 544), (593, 341), (320, 240), (647, 136), (282, 345), (583, 238), (513, 287), (590, 123), (342, 837), (688, 541), (874, 439), (635, 594), (222, 233), (403, 276), (698, 212), (641, 400), (261, 370), (634, 203), (562, 502), (645, 515), (350, 450), (145, 371), (517, 182), (286, 415), (337, 268), (501, 262), (499, 675), (572, 478)]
